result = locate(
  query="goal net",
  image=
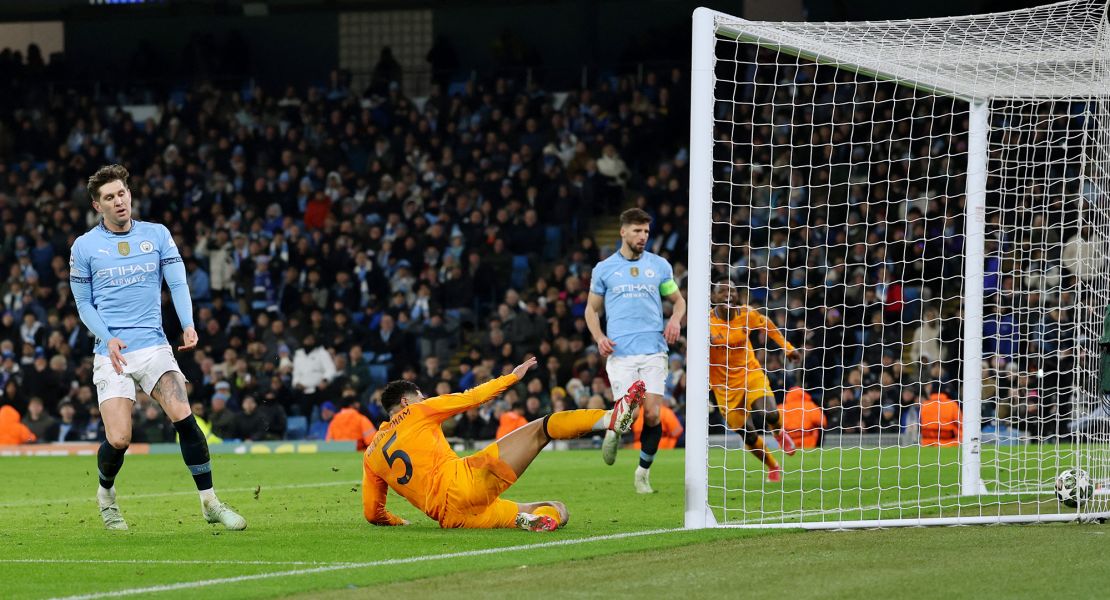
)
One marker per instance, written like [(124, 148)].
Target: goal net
[(922, 208)]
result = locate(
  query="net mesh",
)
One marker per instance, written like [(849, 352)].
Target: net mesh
[(840, 212)]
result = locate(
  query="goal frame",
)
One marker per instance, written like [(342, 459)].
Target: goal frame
[(698, 513)]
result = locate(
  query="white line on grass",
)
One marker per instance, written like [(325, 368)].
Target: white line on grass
[(90, 497), (139, 561), (377, 563)]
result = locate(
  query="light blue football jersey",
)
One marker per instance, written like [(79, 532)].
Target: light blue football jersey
[(116, 280), (633, 303)]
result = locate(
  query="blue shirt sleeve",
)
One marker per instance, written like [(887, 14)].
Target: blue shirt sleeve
[(80, 283), (173, 271), (666, 269), (597, 280)]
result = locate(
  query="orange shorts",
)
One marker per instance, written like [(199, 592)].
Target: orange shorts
[(735, 402), (473, 488)]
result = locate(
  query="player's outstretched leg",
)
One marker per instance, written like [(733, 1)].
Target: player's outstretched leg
[(520, 447), (170, 393), (739, 419), (612, 438), (754, 443), (116, 413), (765, 416)]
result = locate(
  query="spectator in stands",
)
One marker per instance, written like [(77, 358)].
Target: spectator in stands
[(154, 428), (221, 418), (222, 393), (349, 424), (926, 346), (510, 418), (200, 413), (313, 371), (318, 430), (473, 425), (92, 430), (198, 280), (250, 424), (12, 431), (871, 410), (278, 392), (533, 409), (38, 420), (940, 421), (357, 374), (386, 77), (67, 429), (802, 419), (1084, 254), (273, 414)]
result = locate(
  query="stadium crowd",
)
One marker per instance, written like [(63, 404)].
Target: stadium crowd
[(336, 239)]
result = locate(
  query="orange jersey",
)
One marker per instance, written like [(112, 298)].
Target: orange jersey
[(508, 423), (802, 419), (351, 425), (941, 422), (411, 455), (12, 430), (672, 428), (731, 356)]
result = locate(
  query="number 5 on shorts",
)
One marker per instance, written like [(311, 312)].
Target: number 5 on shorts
[(398, 455)]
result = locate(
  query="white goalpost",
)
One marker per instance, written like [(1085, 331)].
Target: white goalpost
[(922, 207)]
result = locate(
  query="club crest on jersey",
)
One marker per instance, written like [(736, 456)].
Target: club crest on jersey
[(635, 271), (145, 246), (649, 273), (124, 248)]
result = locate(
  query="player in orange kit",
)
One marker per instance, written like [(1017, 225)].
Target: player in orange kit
[(739, 384), (411, 455)]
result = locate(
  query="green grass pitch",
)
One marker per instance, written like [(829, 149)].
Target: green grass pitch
[(307, 539)]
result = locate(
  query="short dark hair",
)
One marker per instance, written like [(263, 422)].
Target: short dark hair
[(394, 391), (635, 216), (106, 174)]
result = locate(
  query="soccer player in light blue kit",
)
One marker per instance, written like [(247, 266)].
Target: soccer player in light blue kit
[(116, 272), (629, 288)]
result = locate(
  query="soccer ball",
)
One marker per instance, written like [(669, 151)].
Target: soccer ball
[(1074, 487)]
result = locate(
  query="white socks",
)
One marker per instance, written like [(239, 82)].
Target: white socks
[(208, 496), (105, 497)]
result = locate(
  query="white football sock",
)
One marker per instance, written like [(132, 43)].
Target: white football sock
[(104, 496), (208, 496)]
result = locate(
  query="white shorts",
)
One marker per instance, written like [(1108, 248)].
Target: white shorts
[(143, 367), (624, 370)]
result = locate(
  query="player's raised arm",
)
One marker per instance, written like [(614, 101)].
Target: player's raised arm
[(449, 405), (757, 320), (173, 272), (374, 491), (595, 305)]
